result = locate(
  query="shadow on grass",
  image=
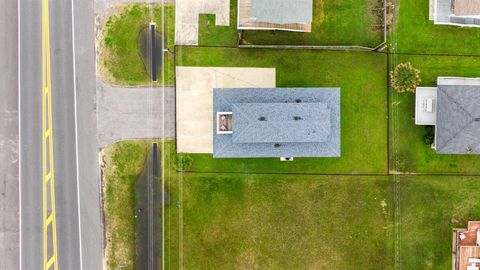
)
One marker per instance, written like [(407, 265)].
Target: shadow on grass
[(148, 213)]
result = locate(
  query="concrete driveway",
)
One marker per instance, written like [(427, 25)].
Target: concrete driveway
[(186, 18), (134, 113), (195, 100)]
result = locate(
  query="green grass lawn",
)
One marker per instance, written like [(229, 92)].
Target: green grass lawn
[(430, 208), (335, 22), (415, 33), (124, 164), (120, 60), (210, 34), (286, 222), (362, 77), (414, 155)]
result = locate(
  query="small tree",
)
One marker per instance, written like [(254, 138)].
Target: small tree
[(405, 78)]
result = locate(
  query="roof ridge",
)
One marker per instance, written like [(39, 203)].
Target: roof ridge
[(245, 116), (455, 135), (332, 148), (220, 149), (458, 104), (470, 118)]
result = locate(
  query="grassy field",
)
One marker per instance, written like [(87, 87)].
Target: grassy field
[(362, 78), (234, 221), (124, 163), (120, 60), (415, 33), (286, 222), (335, 22), (211, 35), (414, 155), (240, 221), (430, 208)]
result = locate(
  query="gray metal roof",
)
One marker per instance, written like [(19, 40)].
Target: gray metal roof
[(279, 122), (458, 119), (282, 11)]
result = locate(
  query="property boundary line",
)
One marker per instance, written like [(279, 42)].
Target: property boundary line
[(336, 174), (395, 151), (282, 173), (331, 47), (433, 54), (392, 128)]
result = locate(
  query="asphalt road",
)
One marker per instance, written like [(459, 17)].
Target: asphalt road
[(9, 233), (79, 236)]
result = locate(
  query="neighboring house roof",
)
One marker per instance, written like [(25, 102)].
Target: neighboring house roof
[(282, 11), (279, 122), (466, 7), (457, 12), (465, 245), (458, 119)]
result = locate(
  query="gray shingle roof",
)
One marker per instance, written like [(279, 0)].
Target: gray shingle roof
[(458, 119), (282, 11), (279, 122)]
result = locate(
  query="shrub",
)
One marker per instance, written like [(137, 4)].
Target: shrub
[(405, 78), (429, 136), (183, 162), (429, 129), (428, 139)]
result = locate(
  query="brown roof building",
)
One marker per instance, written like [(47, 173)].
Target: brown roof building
[(464, 13), (466, 247), (466, 7)]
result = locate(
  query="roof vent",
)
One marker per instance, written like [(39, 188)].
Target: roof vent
[(296, 118), (262, 118), (276, 145), (298, 100)]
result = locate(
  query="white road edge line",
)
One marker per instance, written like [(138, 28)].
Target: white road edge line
[(76, 136), (19, 142)]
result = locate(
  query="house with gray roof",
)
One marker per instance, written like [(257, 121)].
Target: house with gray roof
[(276, 122), (455, 12), (453, 108), (287, 15)]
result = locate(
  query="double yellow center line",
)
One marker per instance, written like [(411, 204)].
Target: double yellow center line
[(49, 219)]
